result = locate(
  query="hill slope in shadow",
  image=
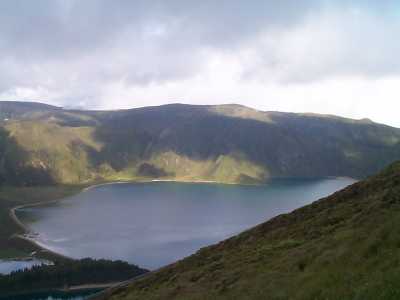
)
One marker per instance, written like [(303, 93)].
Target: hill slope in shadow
[(225, 143), (345, 246)]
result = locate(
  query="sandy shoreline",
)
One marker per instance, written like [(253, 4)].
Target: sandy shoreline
[(28, 231)]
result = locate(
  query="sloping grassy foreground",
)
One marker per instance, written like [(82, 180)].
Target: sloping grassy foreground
[(346, 246)]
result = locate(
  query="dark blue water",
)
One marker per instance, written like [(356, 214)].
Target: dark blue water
[(153, 224)]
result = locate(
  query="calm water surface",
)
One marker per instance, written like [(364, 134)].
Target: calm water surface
[(7, 266), (153, 224)]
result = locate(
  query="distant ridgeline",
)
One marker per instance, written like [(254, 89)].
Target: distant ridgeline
[(42, 144), (67, 274)]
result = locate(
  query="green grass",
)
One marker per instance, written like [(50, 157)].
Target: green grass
[(229, 144), (69, 155), (343, 247), (346, 246)]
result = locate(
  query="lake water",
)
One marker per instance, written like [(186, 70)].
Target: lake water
[(77, 295), (7, 266), (154, 224)]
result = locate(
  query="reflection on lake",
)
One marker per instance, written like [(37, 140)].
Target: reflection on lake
[(153, 224)]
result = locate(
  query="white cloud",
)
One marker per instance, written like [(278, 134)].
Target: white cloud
[(353, 97), (337, 58)]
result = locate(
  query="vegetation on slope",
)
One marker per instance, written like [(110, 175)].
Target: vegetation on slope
[(63, 152), (345, 246), (341, 247), (17, 109), (16, 167), (227, 143), (64, 275)]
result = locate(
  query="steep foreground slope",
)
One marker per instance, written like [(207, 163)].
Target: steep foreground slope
[(42, 144), (346, 246)]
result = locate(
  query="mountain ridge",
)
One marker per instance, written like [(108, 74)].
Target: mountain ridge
[(14, 105), (224, 143)]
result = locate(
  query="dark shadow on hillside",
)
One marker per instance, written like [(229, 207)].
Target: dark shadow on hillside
[(14, 165), (291, 145)]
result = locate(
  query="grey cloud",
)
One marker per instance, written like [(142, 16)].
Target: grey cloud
[(47, 29), (75, 47), (114, 39)]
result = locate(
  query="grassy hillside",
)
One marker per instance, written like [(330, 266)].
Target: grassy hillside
[(226, 143), (346, 246), (17, 166)]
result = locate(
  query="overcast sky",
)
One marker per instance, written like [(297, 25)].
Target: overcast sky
[(337, 57)]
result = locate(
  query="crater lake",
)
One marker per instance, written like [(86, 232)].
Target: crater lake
[(156, 223)]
